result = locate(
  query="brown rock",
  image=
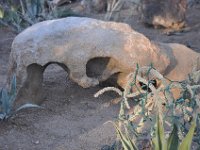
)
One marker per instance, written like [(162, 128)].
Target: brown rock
[(165, 13)]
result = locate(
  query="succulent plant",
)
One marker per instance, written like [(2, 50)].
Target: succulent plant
[(7, 99)]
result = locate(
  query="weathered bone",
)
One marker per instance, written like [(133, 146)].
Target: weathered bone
[(72, 42)]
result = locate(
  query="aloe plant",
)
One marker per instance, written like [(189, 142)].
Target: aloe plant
[(125, 139), (7, 99), (1, 12), (172, 143), (159, 140), (28, 12)]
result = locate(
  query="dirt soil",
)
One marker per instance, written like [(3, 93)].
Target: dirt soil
[(72, 119)]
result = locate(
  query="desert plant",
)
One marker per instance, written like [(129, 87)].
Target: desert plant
[(7, 99), (1, 12), (158, 100), (172, 143), (159, 139), (126, 142), (26, 13), (22, 15), (114, 7)]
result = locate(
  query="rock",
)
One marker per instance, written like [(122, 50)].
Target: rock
[(165, 13), (91, 51)]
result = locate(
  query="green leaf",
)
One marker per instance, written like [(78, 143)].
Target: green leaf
[(5, 103), (28, 106), (173, 140), (13, 8), (13, 86), (159, 141), (2, 116), (34, 7), (1, 96), (187, 141), (1, 12), (133, 146), (12, 93), (127, 143)]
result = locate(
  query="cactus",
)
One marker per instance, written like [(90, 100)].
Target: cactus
[(7, 99)]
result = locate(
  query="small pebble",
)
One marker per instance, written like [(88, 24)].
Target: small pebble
[(37, 142)]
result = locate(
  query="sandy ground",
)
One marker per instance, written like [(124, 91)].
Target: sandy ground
[(72, 119)]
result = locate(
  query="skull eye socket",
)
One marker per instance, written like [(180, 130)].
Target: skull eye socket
[(145, 87)]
